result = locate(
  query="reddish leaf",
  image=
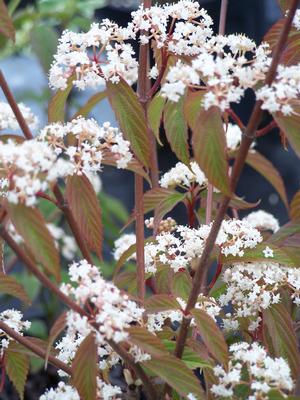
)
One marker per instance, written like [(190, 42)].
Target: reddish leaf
[(131, 118), (209, 145), (57, 328), (176, 129), (163, 200), (286, 231), (84, 205), (295, 207), (264, 167), (211, 335), (30, 224), (236, 202), (17, 367), (9, 285), (192, 107), (90, 104), (161, 302), (147, 341), (290, 125), (6, 23), (284, 343), (56, 108), (84, 368), (155, 113)]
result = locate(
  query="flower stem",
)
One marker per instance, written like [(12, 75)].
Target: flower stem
[(200, 278)]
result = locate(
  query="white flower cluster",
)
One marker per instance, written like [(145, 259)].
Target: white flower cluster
[(112, 310), (91, 140), (3, 187), (191, 26), (262, 372), (262, 220), (225, 68), (94, 57), (253, 287), (296, 20), (233, 136), (66, 242), (30, 167), (182, 175), (13, 319), (282, 93), (179, 248), (66, 392), (155, 322), (122, 244), (8, 119)]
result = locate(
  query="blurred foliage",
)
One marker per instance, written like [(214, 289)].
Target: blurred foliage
[(38, 26)]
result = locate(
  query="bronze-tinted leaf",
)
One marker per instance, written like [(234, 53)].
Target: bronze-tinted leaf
[(84, 368), (17, 367), (290, 126), (9, 285), (131, 118), (155, 114), (6, 23), (85, 207), (56, 329), (161, 302), (90, 104), (56, 108), (295, 207), (31, 225)]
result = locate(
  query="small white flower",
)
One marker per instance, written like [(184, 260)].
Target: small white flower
[(268, 252)]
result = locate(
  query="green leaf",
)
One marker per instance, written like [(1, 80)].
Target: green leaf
[(44, 40), (290, 125), (147, 341), (30, 224), (211, 335), (6, 23), (84, 368), (90, 104), (176, 129), (9, 285), (256, 254), (155, 114), (131, 117), (162, 200), (84, 205), (264, 167), (295, 207), (284, 342), (192, 107), (17, 367), (209, 146), (56, 108), (285, 232), (182, 284), (161, 302)]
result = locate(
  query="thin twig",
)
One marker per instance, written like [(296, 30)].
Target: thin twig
[(15, 108), (200, 278), (266, 129)]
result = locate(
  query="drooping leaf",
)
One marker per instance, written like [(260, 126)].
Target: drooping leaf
[(155, 114), (31, 225), (17, 367), (182, 284), (176, 129), (279, 325), (84, 368), (90, 104), (193, 103), (85, 207), (131, 118), (56, 329), (161, 302), (44, 40), (56, 108), (9, 285), (236, 202), (6, 23), (209, 146), (290, 125), (295, 207), (211, 335), (268, 171)]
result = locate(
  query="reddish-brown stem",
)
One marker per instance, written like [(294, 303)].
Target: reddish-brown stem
[(266, 129), (62, 204), (162, 71), (223, 14), (236, 119), (14, 106), (35, 348), (45, 196), (200, 278)]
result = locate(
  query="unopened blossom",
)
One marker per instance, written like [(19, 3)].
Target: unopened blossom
[(262, 220), (165, 225), (91, 58), (91, 142), (266, 373), (253, 287), (13, 319), (182, 175), (9, 121)]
